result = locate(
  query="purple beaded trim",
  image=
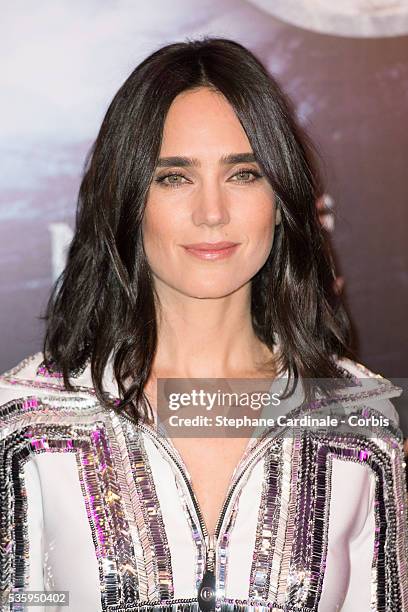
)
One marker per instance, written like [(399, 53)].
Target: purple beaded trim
[(267, 524), (308, 537), (154, 539), (58, 424), (51, 371), (300, 471)]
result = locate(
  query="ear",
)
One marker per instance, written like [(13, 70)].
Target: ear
[(278, 217)]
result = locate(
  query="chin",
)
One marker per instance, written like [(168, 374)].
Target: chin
[(211, 292)]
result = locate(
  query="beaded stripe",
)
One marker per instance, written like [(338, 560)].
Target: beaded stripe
[(153, 535), (267, 523), (195, 534), (99, 491), (14, 569), (286, 520), (222, 551), (289, 521), (401, 519), (131, 500), (51, 371), (299, 576)]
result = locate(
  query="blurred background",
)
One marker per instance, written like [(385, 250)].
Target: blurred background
[(345, 67)]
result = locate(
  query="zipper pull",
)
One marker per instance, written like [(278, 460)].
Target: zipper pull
[(206, 591)]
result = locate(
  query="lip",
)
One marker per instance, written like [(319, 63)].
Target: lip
[(211, 250), (210, 246)]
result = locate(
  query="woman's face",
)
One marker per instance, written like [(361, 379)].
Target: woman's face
[(208, 199)]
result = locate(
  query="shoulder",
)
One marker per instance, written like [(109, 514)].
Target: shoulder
[(31, 375), (26, 378), (37, 412), (30, 388), (371, 388)]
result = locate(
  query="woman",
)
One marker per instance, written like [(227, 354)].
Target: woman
[(198, 253)]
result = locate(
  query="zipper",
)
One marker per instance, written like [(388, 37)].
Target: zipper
[(207, 590)]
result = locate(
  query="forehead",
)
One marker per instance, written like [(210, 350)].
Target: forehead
[(203, 120)]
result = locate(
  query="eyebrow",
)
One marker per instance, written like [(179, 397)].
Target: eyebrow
[(187, 162)]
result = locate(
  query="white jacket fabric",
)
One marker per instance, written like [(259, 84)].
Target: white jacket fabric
[(102, 508)]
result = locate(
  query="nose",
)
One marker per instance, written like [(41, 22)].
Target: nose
[(210, 206)]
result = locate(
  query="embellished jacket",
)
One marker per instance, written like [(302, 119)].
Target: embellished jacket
[(105, 509)]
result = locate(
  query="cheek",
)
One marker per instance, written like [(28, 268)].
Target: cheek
[(161, 232), (152, 238), (261, 225), (156, 227)]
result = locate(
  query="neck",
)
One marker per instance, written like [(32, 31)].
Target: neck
[(208, 337)]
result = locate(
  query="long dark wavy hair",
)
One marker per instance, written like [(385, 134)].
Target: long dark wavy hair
[(103, 305)]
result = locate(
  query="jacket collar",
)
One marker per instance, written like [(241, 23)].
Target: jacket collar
[(364, 384)]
